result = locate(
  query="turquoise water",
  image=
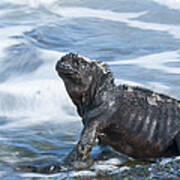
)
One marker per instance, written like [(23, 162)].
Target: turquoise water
[(139, 40)]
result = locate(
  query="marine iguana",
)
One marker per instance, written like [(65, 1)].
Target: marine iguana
[(135, 121)]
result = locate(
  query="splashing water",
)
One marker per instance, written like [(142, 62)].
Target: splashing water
[(139, 40)]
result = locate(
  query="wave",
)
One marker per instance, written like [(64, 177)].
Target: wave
[(127, 18), (36, 97), (35, 102), (130, 19), (39, 93), (155, 61), (31, 3), (172, 4)]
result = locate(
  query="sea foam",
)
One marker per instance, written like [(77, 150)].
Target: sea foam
[(172, 4)]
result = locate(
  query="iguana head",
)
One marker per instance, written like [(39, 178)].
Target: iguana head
[(76, 72), (83, 77)]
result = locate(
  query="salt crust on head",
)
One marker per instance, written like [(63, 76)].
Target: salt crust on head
[(100, 64)]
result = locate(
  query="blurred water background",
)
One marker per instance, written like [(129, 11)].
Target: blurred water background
[(140, 40)]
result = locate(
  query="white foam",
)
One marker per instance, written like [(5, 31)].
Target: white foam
[(31, 3), (10, 31), (7, 39), (70, 174), (177, 158), (45, 176), (110, 166), (165, 161), (128, 18), (82, 173), (172, 4), (2, 174), (47, 70), (3, 139), (154, 61), (113, 161), (37, 97), (171, 29), (35, 102), (159, 87), (77, 12)]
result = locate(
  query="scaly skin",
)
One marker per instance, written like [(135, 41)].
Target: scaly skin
[(135, 121)]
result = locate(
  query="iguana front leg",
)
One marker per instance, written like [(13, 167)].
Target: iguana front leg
[(78, 158)]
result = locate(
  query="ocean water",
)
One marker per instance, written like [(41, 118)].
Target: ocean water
[(140, 40)]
